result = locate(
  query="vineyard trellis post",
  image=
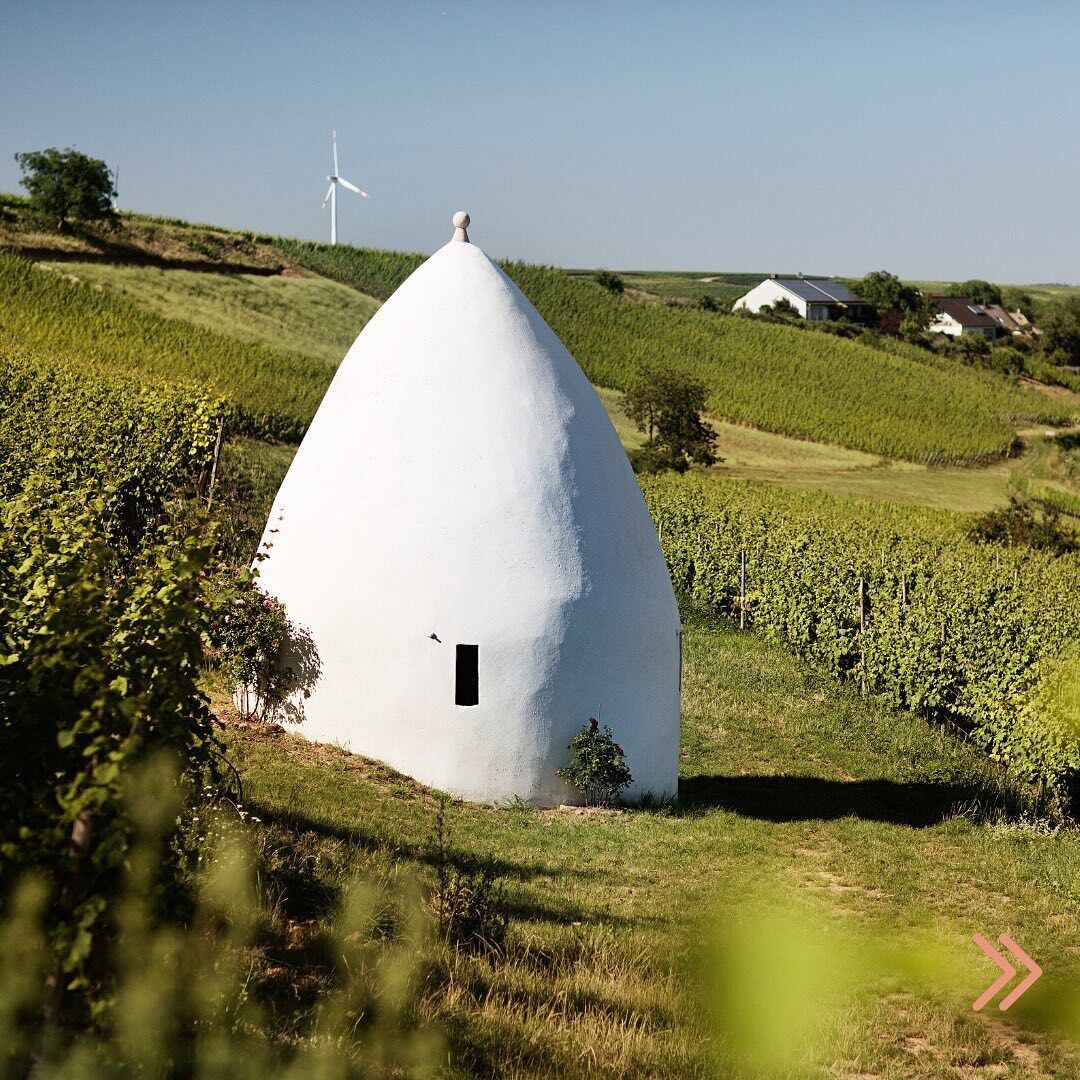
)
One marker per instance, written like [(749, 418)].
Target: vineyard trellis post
[(862, 631), (214, 466), (742, 590)]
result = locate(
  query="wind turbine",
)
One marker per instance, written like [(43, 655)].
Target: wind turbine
[(331, 192)]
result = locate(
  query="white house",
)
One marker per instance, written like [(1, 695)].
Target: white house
[(957, 315), (462, 536), (815, 299)]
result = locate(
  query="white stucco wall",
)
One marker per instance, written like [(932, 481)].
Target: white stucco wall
[(462, 479), (945, 324), (766, 294)]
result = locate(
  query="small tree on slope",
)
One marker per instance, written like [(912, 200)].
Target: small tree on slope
[(67, 184)]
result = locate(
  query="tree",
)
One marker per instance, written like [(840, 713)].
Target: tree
[(666, 404), (1014, 299), (612, 282), (982, 292), (67, 184), (886, 293), (1060, 325)]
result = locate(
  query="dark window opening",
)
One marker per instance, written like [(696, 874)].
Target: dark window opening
[(467, 683)]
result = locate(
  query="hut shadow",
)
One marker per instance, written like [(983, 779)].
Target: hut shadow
[(407, 851), (916, 804), (302, 894)]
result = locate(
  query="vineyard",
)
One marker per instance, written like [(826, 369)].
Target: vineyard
[(893, 400), (272, 393), (895, 598), (273, 910), (298, 314)]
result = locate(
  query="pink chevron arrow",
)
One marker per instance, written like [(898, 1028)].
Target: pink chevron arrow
[(1007, 972)]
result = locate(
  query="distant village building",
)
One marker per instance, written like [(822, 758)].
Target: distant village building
[(462, 539), (1006, 323), (959, 315), (815, 299)]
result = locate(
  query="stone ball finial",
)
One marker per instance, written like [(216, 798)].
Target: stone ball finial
[(461, 225)]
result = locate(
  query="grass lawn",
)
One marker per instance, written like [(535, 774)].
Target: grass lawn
[(800, 465), (793, 792)]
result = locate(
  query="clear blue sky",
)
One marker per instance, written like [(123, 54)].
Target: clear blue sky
[(932, 139)]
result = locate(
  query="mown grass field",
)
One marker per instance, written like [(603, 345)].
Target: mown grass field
[(794, 792), (688, 287), (801, 465)]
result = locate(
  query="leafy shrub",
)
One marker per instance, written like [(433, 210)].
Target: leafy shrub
[(666, 405), (597, 766), (1022, 523), (610, 281), (66, 184), (261, 653), (469, 900)]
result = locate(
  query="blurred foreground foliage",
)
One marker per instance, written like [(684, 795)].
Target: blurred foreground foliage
[(182, 1001)]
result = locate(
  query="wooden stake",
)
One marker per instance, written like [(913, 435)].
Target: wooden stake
[(862, 629), (742, 590), (213, 469)]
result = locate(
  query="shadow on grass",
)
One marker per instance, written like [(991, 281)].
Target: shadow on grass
[(291, 843), (916, 804), (116, 250)]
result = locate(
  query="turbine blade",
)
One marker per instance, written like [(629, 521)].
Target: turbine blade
[(329, 192), (334, 140), (352, 187)]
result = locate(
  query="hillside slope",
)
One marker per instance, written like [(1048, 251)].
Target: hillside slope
[(295, 312), (274, 393), (893, 400)]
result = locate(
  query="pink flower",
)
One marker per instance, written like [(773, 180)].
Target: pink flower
[(618, 750), (268, 603)]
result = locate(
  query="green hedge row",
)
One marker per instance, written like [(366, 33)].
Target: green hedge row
[(895, 598)]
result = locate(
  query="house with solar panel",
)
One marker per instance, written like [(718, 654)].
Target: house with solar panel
[(816, 299), (960, 315)]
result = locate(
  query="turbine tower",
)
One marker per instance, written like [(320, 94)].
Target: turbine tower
[(331, 193)]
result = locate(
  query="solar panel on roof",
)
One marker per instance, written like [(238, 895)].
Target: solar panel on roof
[(821, 290)]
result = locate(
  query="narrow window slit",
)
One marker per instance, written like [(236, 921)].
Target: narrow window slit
[(467, 682)]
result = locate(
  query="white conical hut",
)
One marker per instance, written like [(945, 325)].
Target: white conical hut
[(462, 536)]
